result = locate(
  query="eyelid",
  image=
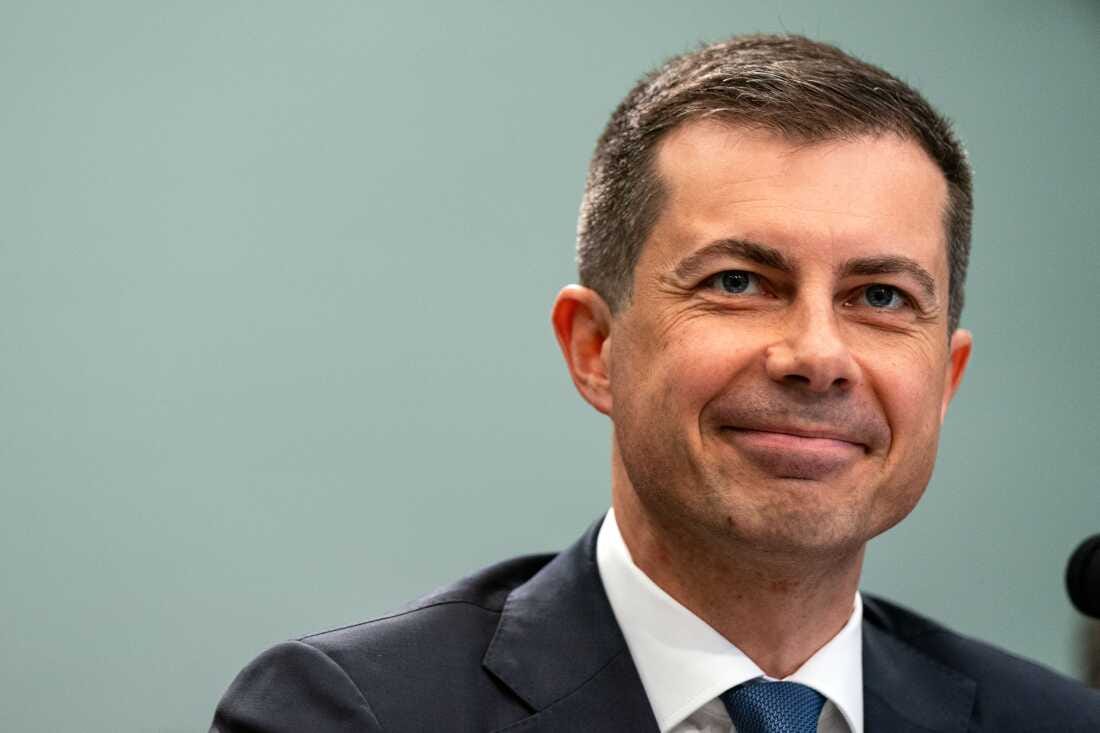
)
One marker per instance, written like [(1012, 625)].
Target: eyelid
[(910, 301), (710, 282), (764, 286)]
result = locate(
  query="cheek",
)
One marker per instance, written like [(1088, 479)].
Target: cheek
[(698, 365), (910, 398), (671, 371), (910, 392), (906, 375)]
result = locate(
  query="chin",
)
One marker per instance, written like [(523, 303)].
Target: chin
[(799, 526)]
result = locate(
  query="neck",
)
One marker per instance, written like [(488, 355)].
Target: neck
[(777, 609)]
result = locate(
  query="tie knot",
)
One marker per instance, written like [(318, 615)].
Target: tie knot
[(773, 707)]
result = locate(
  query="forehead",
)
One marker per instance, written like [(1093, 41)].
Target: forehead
[(869, 195)]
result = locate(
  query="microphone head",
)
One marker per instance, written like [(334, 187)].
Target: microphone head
[(1083, 577)]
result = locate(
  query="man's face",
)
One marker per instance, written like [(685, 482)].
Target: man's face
[(782, 369)]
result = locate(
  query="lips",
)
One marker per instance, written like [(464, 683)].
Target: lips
[(796, 452), (809, 433)]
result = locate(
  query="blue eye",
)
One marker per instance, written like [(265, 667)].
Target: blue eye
[(883, 297), (736, 282)]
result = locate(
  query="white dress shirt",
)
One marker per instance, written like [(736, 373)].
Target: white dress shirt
[(685, 664)]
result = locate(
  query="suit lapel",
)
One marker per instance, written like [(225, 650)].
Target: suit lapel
[(905, 690), (559, 648), (613, 701)]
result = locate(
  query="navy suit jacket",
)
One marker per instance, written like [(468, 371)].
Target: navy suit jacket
[(531, 644)]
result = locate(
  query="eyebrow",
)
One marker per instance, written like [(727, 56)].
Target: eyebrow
[(892, 265), (695, 264)]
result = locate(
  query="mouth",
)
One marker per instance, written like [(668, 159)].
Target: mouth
[(800, 453), (802, 434)]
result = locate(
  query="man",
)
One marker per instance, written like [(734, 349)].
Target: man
[(772, 246)]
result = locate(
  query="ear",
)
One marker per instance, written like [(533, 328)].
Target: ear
[(961, 343), (582, 323)]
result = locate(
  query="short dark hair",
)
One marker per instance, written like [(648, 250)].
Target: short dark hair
[(805, 90)]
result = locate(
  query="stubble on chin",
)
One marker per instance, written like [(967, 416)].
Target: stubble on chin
[(739, 510)]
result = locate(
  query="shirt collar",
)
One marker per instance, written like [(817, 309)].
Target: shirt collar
[(684, 663)]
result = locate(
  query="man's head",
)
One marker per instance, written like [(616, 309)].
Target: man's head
[(777, 344), (800, 89)]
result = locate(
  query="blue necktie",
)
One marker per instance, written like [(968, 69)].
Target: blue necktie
[(773, 707)]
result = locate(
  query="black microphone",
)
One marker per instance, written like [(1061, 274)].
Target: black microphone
[(1083, 577)]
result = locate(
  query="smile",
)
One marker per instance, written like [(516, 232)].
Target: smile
[(796, 454)]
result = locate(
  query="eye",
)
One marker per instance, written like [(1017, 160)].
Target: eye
[(735, 282), (884, 297)]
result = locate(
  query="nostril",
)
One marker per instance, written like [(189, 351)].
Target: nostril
[(817, 382)]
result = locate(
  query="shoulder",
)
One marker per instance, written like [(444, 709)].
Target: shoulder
[(399, 667), (451, 623), (1011, 693)]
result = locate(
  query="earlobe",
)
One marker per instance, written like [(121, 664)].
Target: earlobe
[(962, 342), (582, 324)]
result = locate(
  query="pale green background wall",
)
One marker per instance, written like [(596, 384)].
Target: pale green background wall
[(274, 346)]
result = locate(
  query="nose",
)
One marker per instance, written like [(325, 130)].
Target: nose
[(811, 353)]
